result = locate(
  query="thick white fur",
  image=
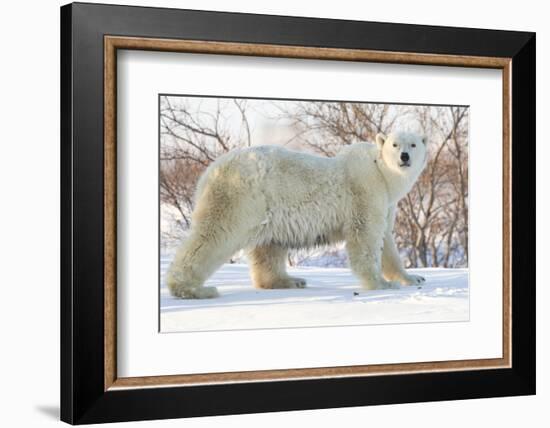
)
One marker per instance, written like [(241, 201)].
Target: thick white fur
[(268, 199)]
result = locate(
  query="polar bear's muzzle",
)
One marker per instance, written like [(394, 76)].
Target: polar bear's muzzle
[(405, 160)]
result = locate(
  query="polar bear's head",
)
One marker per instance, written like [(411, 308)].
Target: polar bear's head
[(404, 153)]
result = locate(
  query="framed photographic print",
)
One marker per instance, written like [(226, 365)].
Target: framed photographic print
[(265, 213)]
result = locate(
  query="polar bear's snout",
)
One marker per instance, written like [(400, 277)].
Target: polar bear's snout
[(405, 159)]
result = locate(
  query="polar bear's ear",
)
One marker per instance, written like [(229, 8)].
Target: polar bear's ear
[(380, 140)]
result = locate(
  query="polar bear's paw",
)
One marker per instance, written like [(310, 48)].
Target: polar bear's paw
[(289, 282), (298, 282), (206, 292), (388, 285), (413, 280), (197, 293)]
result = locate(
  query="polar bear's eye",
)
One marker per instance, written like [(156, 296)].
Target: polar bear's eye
[(414, 145), (395, 145)]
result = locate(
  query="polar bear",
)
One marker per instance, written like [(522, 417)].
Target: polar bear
[(267, 200)]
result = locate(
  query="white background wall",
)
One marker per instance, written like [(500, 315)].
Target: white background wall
[(29, 222)]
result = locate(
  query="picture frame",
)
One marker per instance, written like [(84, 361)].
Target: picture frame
[(91, 35)]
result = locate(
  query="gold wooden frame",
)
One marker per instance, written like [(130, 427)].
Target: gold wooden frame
[(113, 43)]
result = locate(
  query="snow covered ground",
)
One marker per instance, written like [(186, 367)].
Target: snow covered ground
[(332, 297)]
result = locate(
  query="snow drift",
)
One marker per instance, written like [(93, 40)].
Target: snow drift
[(333, 297)]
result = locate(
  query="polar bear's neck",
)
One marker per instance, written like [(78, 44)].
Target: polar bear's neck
[(398, 183)]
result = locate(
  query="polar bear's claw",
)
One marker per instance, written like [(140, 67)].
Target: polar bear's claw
[(298, 282), (413, 280)]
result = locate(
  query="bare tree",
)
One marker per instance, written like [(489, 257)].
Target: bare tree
[(178, 179), (324, 127), (431, 223), (193, 136)]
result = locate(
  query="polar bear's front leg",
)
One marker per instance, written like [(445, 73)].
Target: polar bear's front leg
[(268, 268), (364, 244), (392, 267)]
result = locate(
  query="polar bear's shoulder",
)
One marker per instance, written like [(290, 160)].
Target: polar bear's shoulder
[(359, 163), (362, 150)]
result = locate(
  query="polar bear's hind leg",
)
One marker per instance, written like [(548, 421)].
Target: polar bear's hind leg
[(224, 215), (193, 263), (206, 249), (268, 268)]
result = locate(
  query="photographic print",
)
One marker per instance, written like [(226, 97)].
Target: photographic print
[(320, 182), (280, 213)]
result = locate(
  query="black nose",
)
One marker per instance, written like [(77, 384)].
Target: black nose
[(405, 157)]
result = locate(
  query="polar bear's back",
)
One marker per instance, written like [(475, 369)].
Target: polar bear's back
[(270, 168)]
